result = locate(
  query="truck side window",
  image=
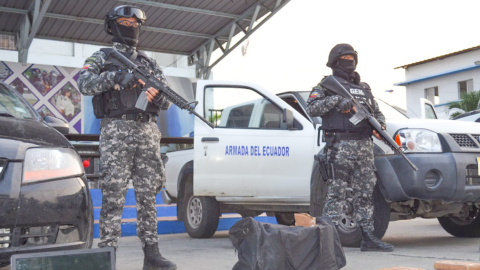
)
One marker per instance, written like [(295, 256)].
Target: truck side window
[(240, 117), (235, 107)]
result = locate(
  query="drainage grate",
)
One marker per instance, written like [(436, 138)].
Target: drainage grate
[(3, 166), (464, 140), (5, 238)]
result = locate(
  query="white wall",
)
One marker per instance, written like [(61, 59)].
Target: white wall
[(68, 54), (448, 89), (443, 65)]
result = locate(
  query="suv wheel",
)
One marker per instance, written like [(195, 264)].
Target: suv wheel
[(462, 227), (201, 214)]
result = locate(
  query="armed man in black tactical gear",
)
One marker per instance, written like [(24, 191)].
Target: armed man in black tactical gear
[(129, 139), (349, 146)]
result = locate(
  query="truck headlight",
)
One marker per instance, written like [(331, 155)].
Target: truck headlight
[(418, 140), (51, 163)]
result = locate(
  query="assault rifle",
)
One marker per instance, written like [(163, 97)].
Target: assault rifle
[(332, 84), (119, 59)]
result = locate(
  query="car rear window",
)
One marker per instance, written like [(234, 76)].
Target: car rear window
[(12, 106)]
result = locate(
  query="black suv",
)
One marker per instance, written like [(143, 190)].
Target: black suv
[(45, 204)]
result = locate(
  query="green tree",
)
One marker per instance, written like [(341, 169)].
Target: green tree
[(468, 102)]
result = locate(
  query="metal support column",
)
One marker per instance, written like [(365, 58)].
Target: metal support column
[(30, 26), (223, 39)]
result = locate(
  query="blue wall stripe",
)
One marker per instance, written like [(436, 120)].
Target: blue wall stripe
[(436, 75)]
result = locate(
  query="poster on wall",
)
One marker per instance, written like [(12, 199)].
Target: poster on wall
[(5, 71), (23, 90), (51, 90)]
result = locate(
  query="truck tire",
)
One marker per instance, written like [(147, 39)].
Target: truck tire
[(318, 192), (287, 219), (89, 240), (462, 227), (350, 233), (201, 214)]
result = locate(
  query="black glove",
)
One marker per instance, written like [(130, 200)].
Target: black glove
[(124, 79), (345, 104)]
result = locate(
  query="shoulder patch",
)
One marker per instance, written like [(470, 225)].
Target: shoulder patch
[(86, 66), (314, 94)]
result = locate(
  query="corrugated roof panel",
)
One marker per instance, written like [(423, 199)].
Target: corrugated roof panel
[(157, 17), (21, 4), (10, 22)]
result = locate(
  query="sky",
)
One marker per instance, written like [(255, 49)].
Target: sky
[(289, 52)]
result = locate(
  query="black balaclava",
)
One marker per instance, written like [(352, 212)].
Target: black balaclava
[(343, 67), (124, 34), (348, 66)]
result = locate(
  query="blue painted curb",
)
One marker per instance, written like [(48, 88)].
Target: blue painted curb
[(163, 227), (131, 212), (129, 199), (169, 227)]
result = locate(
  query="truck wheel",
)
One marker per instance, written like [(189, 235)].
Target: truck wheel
[(287, 219), (350, 233), (89, 240), (462, 227), (318, 192), (201, 214)]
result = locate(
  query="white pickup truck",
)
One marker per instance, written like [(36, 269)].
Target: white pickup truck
[(260, 158)]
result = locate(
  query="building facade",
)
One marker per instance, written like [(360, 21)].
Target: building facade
[(441, 80)]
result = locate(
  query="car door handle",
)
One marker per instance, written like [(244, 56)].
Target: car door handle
[(210, 139)]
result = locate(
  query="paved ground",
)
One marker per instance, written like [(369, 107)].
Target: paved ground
[(419, 243)]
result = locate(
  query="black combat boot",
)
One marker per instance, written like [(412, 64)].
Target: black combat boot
[(154, 260), (371, 243)]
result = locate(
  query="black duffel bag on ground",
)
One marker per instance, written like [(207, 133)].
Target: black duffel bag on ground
[(263, 246)]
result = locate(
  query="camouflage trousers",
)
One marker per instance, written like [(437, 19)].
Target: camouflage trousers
[(129, 150), (354, 173)]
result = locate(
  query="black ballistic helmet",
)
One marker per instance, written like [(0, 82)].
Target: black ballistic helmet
[(340, 50), (123, 11)]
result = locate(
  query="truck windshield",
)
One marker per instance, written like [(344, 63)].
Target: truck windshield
[(390, 112), (11, 105)]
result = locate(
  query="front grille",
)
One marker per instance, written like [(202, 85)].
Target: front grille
[(35, 236), (471, 175), (464, 140), (477, 137), (5, 238)]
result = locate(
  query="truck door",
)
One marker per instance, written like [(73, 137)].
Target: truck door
[(250, 152), (427, 109)]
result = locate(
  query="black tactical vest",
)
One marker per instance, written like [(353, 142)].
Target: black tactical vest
[(334, 120), (113, 103)]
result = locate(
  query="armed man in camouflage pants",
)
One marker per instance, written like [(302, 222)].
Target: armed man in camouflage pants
[(349, 146), (129, 139)]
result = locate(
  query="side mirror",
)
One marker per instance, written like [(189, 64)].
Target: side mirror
[(58, 124), (288, 118)]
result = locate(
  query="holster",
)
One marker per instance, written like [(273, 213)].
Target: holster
[(324, 166), (329, 139)]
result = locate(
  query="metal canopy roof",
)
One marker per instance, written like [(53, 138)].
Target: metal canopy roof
[(186, 27)]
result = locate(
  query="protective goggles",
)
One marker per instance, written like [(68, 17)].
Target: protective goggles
[(128, 12)]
